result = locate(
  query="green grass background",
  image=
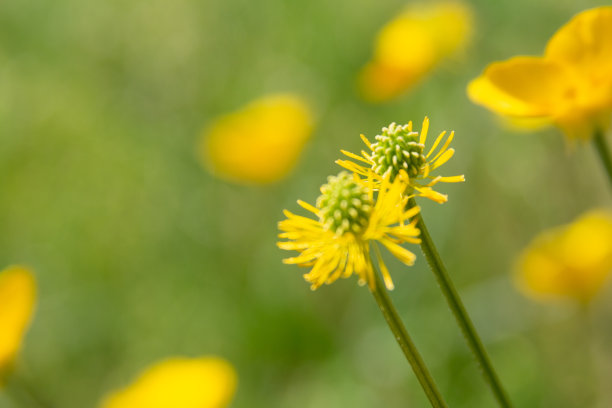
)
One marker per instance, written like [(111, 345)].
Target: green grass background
[(141, 254)]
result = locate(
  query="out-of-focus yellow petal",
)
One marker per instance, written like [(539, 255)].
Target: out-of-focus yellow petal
[(379, 83), (260, 143), (591, 238), (585, 42), (453, 22), (573, 261), (17, 300), (411, 45), (406, 43), (570, 86), (523, 87), (207, 382)]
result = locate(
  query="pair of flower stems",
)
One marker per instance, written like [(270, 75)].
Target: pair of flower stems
[(456, 305)]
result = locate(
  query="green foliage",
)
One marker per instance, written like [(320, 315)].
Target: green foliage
[(141, 254)]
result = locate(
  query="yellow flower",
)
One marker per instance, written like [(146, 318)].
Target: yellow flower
[(206, 382), (573, 261), (260, 143), (410, 45), (349, 219), (400, 148), (570, 86), (17, 299)]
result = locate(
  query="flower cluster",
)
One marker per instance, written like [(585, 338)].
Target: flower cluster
[(357, 211)]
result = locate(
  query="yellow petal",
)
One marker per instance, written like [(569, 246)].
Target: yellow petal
[(399, 251), (379, 83), (523, 87), (411, 45), (406, 43), (446, 156), (452, 179), (383, 270), (207, 382), (422, 35), (590, 237), (452, 22), (585, 42), (433, 195), (260, 143), (17, 299), (572, 261)]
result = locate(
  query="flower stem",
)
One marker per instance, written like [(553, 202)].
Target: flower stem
[(461, 315), (403, 339), (601, 145)]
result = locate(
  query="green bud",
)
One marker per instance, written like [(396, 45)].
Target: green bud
[(396, 149), (344, 205)]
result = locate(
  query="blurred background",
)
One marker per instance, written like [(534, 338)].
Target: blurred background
[(141, 253)]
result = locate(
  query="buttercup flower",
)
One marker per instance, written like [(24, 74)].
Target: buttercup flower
[(17, 299), (206, 382), (400, 148), (260, 143), (573, 261), (570, 86), (412, 44), (350, 219)]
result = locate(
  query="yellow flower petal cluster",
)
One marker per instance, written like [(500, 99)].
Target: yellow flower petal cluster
[(206, 382), (399, 148), (412, 44), (259, 143), (17, 300), (570, 86), (351, 220), (572, 261)]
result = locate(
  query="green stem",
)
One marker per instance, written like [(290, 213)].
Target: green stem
[(461, 315), (601, 145), (403, 339)]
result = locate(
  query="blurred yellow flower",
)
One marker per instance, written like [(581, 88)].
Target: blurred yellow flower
[(570, 86), (259, 143), (573, 261), (17, 299), (400, 148), (337, 244), (206, 382), (412, 44)]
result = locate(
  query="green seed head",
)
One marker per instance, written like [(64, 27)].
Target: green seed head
[(344, 205), (396, 149)]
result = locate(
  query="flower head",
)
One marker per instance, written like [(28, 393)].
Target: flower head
[(206, 382), (411, 45), (260, 143), (399, 148), (17, 299), (570, 86), (573, 261), (350, 219)]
